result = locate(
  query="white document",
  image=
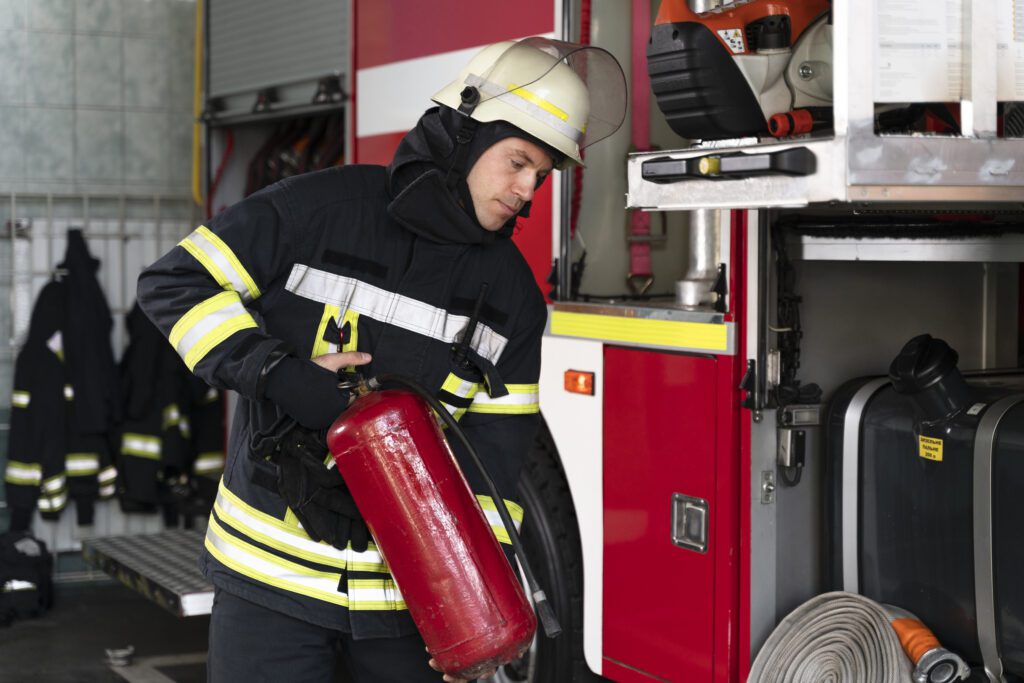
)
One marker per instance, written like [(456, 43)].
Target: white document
[(919, 50), (1010, 51)]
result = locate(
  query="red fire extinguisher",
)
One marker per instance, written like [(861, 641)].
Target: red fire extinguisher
[(456, 581)]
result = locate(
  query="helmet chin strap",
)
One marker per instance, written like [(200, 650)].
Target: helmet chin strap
[(467, 128)]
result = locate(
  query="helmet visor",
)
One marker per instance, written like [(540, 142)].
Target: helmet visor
[(579, 90)]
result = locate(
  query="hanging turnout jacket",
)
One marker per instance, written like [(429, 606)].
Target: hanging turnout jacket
[(352, 258), (62, 414), (173, 422)]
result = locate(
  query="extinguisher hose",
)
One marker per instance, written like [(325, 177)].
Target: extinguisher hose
[(545, 612)]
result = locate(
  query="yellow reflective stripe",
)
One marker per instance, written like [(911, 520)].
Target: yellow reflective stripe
[(374, 594), (208, 324), (268, 568), (320, 345), (222, 264), (171, 414), (672, 333), (522, 399), (54, 503), (462, 388), (211, 461), (55, 484), (23, 473), (494, 519), (82, 464), (533, 98), (141, 445), (20, 399), (290, 538)]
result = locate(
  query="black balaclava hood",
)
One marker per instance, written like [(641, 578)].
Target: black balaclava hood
[(418, 174)]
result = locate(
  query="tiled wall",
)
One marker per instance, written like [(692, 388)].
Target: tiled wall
[(96, 95)]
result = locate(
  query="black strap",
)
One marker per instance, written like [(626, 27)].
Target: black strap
[(463, 136)]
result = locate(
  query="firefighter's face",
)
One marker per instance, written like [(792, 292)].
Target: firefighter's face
[(504, 178)]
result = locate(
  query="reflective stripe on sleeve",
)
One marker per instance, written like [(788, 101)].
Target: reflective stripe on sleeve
[(208, 324), (391, 308), (82, 464), (221, 263), (53, 503), (14, 585), (522, 399), (69, 392), (141, 445), (494, 519), (20, 399), (54, 485), (212, 461), (107, 474), (455, 387), (23, 473)]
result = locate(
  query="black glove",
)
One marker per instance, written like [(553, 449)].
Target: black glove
[(317, 495), (306, 392)]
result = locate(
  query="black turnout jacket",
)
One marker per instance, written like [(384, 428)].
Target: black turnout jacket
[(383, 260)]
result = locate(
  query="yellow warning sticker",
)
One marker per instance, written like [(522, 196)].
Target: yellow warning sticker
[(930, 449)]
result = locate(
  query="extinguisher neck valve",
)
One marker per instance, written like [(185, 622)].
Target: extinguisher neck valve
[(548, 620)]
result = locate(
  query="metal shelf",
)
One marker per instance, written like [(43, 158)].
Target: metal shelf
[(855, 166)]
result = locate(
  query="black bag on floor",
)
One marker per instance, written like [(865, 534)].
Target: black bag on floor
[(26, 577)]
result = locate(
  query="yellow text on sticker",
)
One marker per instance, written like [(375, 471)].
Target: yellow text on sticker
[(930, 449)]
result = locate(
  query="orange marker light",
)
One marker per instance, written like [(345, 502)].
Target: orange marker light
[(579, 382)]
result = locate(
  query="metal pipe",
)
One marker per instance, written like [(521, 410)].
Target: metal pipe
[(694, 290)]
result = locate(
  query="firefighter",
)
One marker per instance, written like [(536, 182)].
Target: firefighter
[(376, 269)]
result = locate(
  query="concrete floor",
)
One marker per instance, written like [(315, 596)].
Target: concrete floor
[(68, 644)]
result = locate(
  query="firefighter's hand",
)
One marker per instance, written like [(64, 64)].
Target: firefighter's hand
[(337, 361), (308, 390), (452, 679)]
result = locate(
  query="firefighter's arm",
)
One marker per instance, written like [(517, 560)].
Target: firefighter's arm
[(502, 428), (201, 295)]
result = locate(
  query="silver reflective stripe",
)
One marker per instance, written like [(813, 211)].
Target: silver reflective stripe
[(391, 308), (24, 473), (18, 585), (509, 97), (850, 519), (54, 484), (20, 399), (69, 392), (54, 504), (200, 333), (78, 464), (984, 584), (107, 474), (276, 534), (203, 245)]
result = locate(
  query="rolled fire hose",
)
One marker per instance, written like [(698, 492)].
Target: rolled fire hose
[(833, 638)]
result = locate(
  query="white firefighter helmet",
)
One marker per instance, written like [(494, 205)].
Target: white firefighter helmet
[(566, 95)]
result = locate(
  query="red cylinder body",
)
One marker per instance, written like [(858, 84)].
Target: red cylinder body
[(460, 590)]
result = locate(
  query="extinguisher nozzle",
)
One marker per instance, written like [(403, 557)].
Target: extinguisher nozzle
[(548, 620)]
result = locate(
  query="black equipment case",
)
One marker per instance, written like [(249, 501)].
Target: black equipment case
[(925, 499)]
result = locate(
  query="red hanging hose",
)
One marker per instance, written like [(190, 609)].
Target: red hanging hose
[(229, 147)]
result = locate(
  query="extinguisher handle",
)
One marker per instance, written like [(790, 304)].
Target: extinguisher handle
[(545, 613)]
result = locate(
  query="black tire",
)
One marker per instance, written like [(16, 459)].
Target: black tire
[(551, 539)]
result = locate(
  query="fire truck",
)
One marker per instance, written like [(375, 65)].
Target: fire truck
[(677, 494), (799, 188)]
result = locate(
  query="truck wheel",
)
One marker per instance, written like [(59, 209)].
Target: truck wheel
[(551, 539)]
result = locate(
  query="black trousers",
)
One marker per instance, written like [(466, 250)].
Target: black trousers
[(252, 643)]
